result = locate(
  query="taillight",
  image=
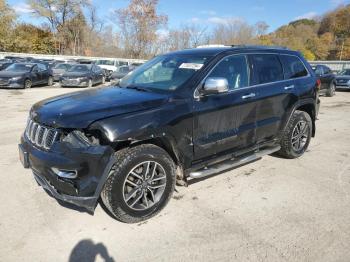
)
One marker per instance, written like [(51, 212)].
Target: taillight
[(318, 82)]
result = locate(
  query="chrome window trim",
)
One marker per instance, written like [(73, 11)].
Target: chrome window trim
[(252, 86)]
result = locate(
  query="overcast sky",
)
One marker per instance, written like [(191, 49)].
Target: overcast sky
[(210, 12)]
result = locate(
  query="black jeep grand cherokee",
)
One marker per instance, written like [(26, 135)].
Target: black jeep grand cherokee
[(181, 116)]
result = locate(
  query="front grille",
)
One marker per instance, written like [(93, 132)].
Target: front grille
[(41, 136)]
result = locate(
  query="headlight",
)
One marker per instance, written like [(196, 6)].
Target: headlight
[(16, 78), (82, 79)]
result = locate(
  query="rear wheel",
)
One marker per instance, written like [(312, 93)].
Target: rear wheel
[(297, 135), (331, 90), (27, 84), (140, 183)]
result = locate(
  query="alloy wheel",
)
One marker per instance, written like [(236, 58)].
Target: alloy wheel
[(144, 185), (300, 135)]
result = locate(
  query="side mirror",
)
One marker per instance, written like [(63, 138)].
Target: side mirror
[(214, 85)]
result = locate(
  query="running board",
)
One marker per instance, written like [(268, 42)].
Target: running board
[(232, 163)]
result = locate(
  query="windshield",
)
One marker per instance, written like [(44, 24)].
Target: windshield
[(345, 72), (19, 68), (105, 62), (165, 72), (62, 66), (79, 68)]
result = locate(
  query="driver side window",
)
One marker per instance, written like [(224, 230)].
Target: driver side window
[(234, 69)]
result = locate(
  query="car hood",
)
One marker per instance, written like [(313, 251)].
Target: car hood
[(11, 73), (76, 74), (80, 109), (342, 77)]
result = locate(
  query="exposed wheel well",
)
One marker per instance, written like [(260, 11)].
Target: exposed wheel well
[(162, 143), (310, 109)]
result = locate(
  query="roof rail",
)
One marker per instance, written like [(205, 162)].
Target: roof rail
[(260, 46)]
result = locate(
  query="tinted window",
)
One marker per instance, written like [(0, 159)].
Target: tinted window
[(20, 67), (80, 68), (42, 67), (234, 69), (267, 68), (345, 72), (293, 67), (326, 70)]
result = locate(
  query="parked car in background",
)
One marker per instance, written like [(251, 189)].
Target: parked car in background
[(327, 77), (85, 61), (135, 65), (342, 80), (83, 75), (4, 63), (59, 69), (110, 66), (184, 115), (120, 73), (25, 75)]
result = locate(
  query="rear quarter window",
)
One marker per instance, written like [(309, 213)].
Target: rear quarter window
[(293, 67)]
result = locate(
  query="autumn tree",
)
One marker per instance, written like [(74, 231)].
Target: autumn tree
[(7, 20), (32, 39), (138, 24), (234, 32), (58, 14)]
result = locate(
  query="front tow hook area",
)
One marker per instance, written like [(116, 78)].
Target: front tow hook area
[(23, 156)]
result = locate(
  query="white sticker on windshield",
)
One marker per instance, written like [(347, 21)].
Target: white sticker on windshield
[(192, 66)]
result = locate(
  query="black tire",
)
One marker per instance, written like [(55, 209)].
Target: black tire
[(27, 84), (331, 90), (288, 148), (50, 81), (113, 193)]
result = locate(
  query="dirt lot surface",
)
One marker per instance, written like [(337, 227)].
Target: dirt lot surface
[(271, 210)]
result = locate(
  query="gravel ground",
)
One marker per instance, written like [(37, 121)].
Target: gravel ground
[(271, 210)]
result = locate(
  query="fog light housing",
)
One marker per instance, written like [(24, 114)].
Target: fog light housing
[(69, 174)]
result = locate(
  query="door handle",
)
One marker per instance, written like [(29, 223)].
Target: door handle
[(289, 87), (251, 95)]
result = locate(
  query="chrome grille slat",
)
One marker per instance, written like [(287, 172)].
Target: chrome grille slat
[(41, 136)]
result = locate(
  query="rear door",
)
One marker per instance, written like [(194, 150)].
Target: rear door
[(35, 75), (226, 122), (43, 73), (276, 94)]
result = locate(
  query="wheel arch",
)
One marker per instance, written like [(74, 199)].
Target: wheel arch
[(310, 109)]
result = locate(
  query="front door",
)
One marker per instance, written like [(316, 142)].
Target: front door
[(225, 122)]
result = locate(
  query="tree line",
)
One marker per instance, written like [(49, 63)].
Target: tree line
[(73, 27)]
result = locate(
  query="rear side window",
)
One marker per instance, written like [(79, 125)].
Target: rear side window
[(267, 68), (293, 67)]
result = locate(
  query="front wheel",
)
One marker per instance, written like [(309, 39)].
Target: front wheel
[(296, 136), (27, 84), (50, 81), (90, 83), (331, 90), (140, 183)]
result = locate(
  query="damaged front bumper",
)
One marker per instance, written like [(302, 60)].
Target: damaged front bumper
[(91, 165)]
